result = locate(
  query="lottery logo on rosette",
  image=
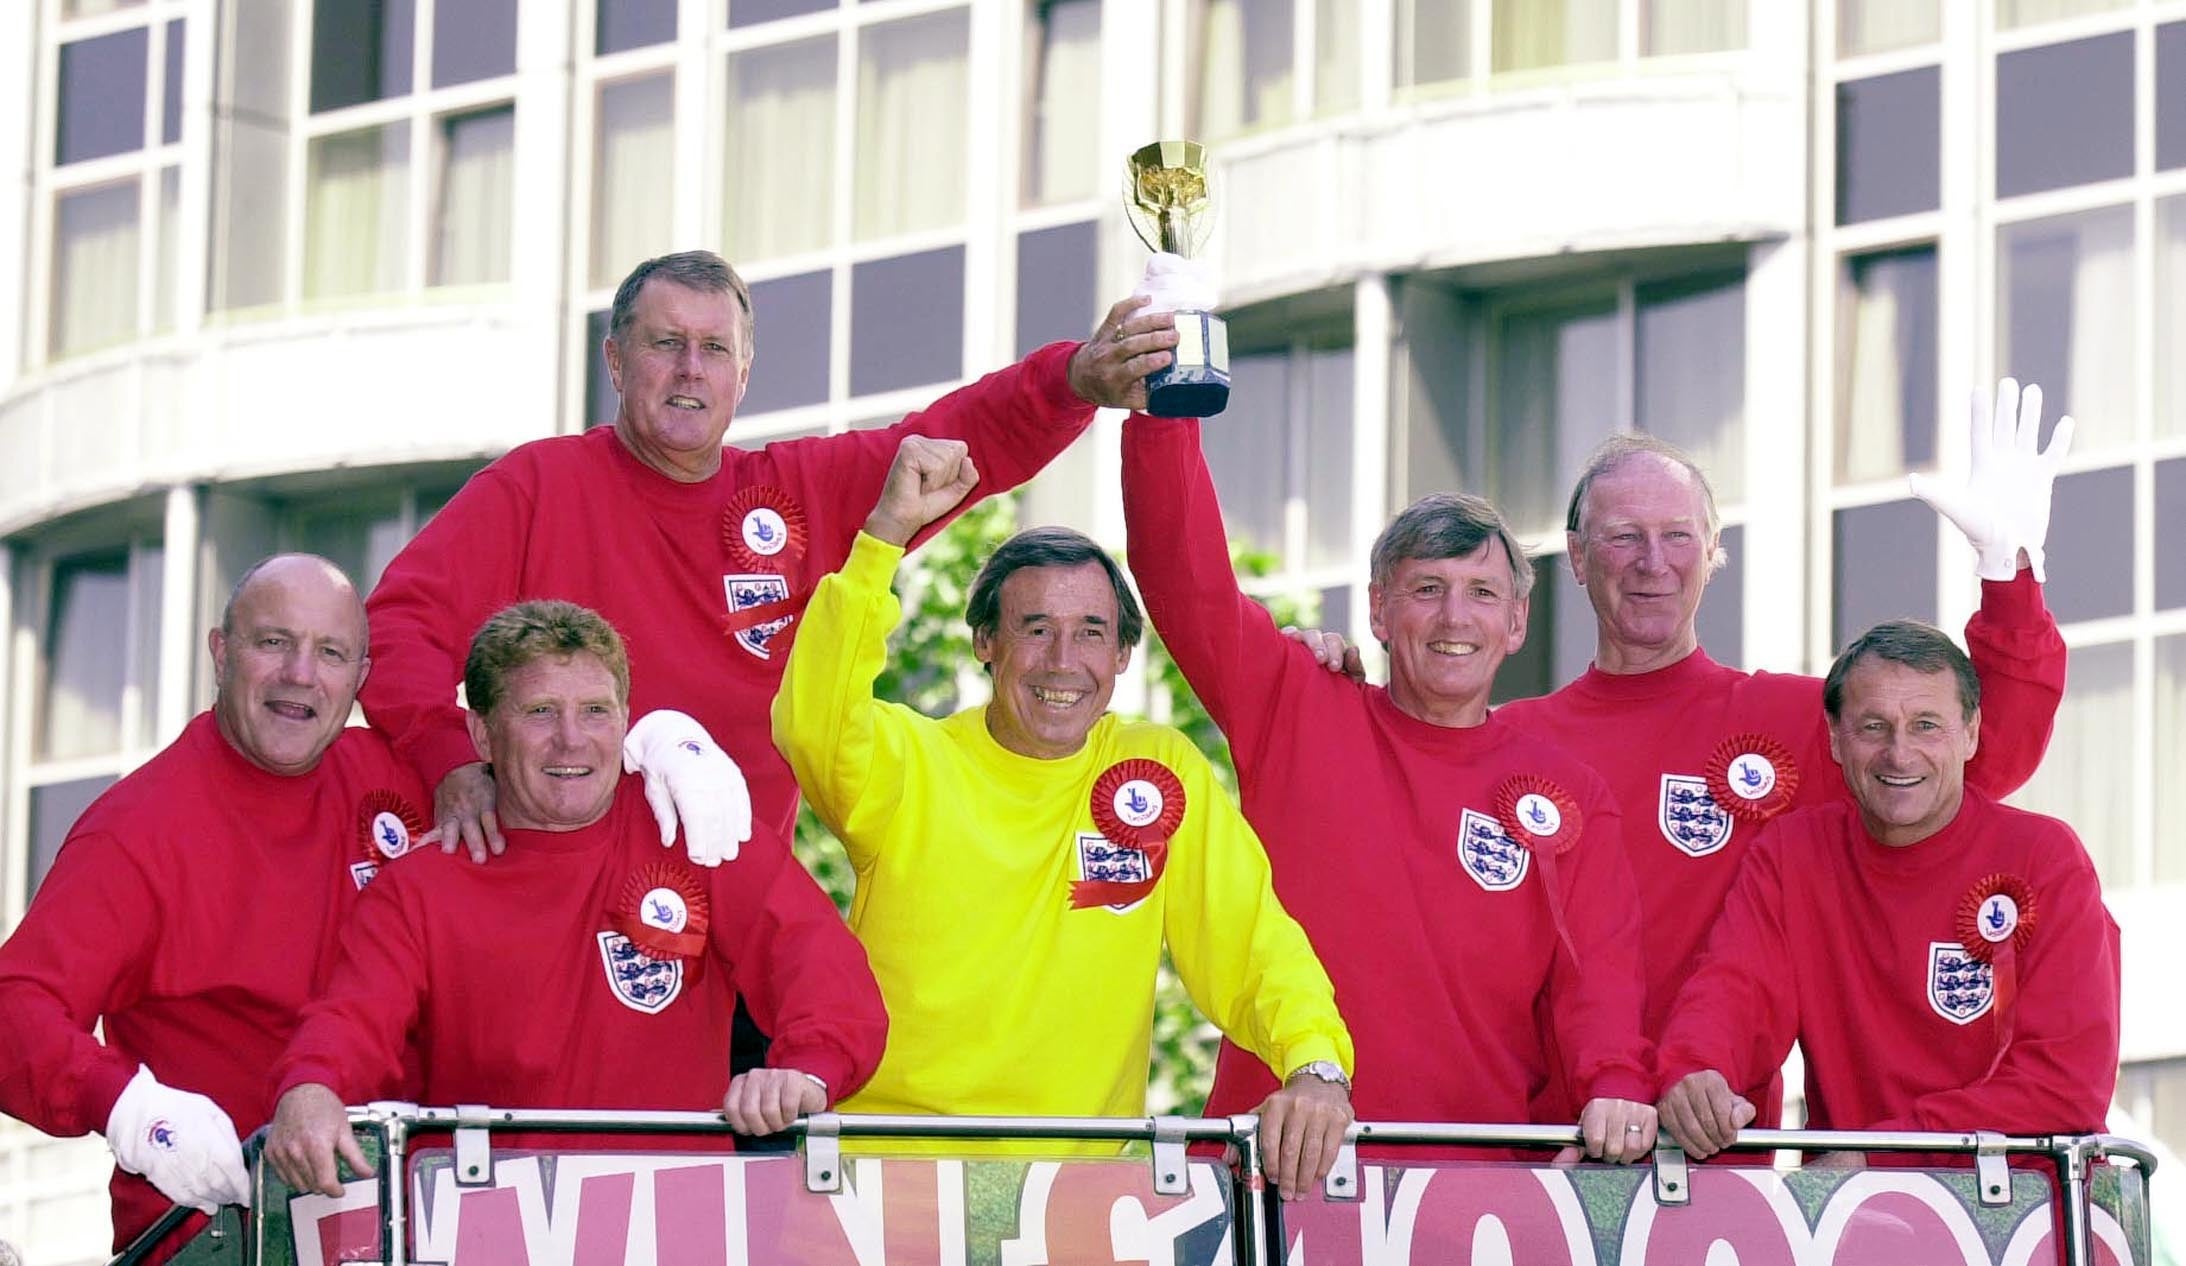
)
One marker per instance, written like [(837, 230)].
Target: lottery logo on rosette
[(764, 531), (1998, 910), (656, 936), (1538, 814), (1137, 807), (388, 826), (1752, 777)]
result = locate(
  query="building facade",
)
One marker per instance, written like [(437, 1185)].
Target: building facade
[(285, 272)]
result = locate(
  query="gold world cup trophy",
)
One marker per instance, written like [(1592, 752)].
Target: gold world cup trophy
[(1166, 199)]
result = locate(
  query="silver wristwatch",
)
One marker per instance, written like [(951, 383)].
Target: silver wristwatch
[(1327, 1070)]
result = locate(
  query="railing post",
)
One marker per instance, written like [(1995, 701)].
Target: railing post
[(1253, 1248), (395, 1184), (2078, 1228)]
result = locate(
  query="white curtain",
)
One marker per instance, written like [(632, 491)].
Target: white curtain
[(2170, 283), (1537, 33), (473, 221), (86, 657), (1874, 26), (1691, 357), (633, 175), (1326, 478), (1245, 60), (2086, 777), (2066, 321), (1335, 56), (911, 125), (1885, 337), (1434, 41), (2170, 752), (1693, 26), (779, 190), (1061, 163), (163, 277), (2010, 13), (94, 268), (1553, 402), (355, 234)]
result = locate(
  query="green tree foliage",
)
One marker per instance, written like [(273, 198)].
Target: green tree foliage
[(929, 656)]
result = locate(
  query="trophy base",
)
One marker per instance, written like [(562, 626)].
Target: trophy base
[(1197, 383)]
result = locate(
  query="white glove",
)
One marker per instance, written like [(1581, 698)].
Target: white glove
[(1177, 284), (689, 777), (2003, 507), (181, 1143)]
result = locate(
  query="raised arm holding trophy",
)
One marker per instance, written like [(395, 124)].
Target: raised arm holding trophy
[(1165, 196)]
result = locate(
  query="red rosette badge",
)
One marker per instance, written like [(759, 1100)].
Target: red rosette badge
[(1998, 909), (663, 912), (1752, 777), (1137, 806), (1538, 814), (764, 531), (387, 827)]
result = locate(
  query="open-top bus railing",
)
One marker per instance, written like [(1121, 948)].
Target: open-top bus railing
[(443, 1192)]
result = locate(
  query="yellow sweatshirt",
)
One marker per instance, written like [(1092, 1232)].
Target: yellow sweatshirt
[(1002, 998)]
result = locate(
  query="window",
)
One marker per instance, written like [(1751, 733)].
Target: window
[(752, 12), (1690, 384), (1692, 26), (793, 333), (2090, 546), (2170, 757), (94, 267), (634, 146), (779, 177), (357, 212), (1889, 145), (361, 528), (907, 320), (1055, 281), (2171, 96), (601, 401), (1876, 26), (1433, 41), (1245, 57), (101, 653), (1335, 56), (99, 79), (2086, 776), (361, 50), (249, 239), (1560, 633), (473, 40), (1886, 364), (477, 154), (2170, 536), (626, 24), (1529, 34), (2065, 286), (54, 809), (1883, 567), (911, 125), (2064, 114), (2170, 283), (1549, 405), (1062, 100), (1281, 456), (2010, 13)]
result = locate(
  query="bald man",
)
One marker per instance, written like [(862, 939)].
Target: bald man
[(194, 907)]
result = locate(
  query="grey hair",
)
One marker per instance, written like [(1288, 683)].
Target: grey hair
[(1449, 525), (702, 271)]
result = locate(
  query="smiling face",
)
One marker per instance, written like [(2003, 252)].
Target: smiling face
[(1903, 738), (1054, 652), (1448, 624), (287, 662), (554, 738), (1643, 554), (680, 366)]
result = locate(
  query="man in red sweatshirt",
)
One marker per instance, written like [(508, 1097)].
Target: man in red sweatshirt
[(585, 968), (701, 556), (194, 906), (1945, 962), (1462, 881)]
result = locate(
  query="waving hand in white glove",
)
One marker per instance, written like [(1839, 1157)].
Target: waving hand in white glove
[(2003, 507), (180, 1142), (689, 778)]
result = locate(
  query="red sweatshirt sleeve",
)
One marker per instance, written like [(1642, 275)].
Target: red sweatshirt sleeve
[(2020, 658), (1179, 552), (798, 968), (83, 950), (424, 612), (1595, 1002), (2061, 1068), (353, 1038), (1015, 420), (1736, 1014)]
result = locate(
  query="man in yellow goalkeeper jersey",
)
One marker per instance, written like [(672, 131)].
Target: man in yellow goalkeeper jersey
[(1020, 863)]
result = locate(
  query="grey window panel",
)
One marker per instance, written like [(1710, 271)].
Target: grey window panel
[(753, 12), (54, 808), (2170, 538), (102, 96), (792, 337), (475, 39), (2171, 96), (907, 320), (360, 51), (170, 113), (1883, 567), (1721, 621), (1055, 298), (625, 24), (601, 401), (2090, 547), (1247, 448), (2064, 114), (1889, 145)]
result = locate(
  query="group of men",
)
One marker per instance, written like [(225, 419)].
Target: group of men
[(1566, 910)]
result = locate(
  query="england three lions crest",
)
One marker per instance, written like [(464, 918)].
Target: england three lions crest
[(1961, 987), (1101, 861), (640, 983), (746, 592), (1494, 860), (1690, 818)]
